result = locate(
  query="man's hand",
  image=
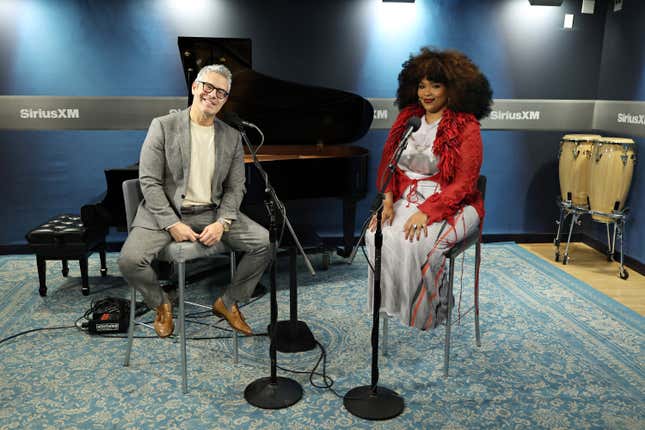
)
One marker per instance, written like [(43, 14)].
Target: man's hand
[(181, 232), (415, 225), (211, 234)]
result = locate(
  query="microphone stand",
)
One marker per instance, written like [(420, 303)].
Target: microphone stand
[(394, 160), (274, 197), (273, 392), (371, 401), (292, 335)]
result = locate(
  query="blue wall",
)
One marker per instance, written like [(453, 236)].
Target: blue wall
[(622, 77), (128, 48)]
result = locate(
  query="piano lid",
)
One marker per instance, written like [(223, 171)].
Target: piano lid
[(288, 113), (197, 52)]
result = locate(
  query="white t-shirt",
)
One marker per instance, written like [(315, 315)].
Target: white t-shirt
[(202, 165), (418, 160)]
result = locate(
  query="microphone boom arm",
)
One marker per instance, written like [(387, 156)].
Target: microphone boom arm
[(378, 200), (271, 190)]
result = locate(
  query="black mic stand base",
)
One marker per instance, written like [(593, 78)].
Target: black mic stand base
[(273, 392), (294, 336), (379, 404), (270, 393)]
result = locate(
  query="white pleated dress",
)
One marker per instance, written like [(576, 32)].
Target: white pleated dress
[(413, 274)]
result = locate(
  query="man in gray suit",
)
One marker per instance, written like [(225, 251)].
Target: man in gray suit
[(191, 173)]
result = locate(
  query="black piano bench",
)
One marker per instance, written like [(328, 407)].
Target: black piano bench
[(65, 237)]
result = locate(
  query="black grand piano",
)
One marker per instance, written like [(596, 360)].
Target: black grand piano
[(306, 130)]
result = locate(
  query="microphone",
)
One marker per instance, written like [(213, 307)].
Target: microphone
[(234, 120), (413, 125)]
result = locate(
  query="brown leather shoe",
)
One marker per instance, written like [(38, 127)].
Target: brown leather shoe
[(163, 324), (234, 316)]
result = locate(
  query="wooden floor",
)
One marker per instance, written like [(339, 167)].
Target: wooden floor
[(592, 267)]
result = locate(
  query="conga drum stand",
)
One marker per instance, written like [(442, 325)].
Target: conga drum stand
[(566, 209), (612, 167), (617, 218)]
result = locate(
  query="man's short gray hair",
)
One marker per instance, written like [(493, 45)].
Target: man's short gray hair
[(220, 69)]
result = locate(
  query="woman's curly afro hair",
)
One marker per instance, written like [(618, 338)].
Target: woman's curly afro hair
[(468, 89)]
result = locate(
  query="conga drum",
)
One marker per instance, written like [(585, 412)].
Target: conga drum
[(612, 167), (574, 166)]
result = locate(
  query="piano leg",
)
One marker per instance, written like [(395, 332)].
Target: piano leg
[(65, 270), (85, 282), (102, 248), (349, 223), (42, 274)]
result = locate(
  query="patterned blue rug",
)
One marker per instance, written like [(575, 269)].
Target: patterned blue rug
[(555, 354)]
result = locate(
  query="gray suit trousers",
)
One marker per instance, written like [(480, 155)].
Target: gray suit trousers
[(144, 245)]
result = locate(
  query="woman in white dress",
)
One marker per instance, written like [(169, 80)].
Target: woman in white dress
[(432, 201)]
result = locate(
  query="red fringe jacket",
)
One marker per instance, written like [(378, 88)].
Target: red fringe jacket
[(459, 146)]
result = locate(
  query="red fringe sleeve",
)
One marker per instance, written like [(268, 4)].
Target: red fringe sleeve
[(459, 145)]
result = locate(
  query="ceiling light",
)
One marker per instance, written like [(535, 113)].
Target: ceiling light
[(546, 2)]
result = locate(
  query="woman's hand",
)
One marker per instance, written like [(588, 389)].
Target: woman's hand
[(386, 215), (414, 225)]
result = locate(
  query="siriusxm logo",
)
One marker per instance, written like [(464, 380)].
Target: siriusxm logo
[(525, 115), (628, 118), (380, 113), (64, 113)]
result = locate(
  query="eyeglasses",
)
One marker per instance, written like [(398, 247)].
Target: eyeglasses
[(209, 88)]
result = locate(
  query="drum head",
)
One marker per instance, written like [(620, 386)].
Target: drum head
[(581, 137), (616, 141)]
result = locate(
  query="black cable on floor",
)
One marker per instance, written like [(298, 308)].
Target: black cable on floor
[(328, 382), (35, 330)]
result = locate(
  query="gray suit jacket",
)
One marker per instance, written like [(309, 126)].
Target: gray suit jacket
[(164, 168)]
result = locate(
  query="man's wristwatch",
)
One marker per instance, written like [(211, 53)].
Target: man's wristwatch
[(226, 224)]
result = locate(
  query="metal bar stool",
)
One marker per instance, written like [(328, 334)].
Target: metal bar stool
[(452, 254), (178, 253)]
